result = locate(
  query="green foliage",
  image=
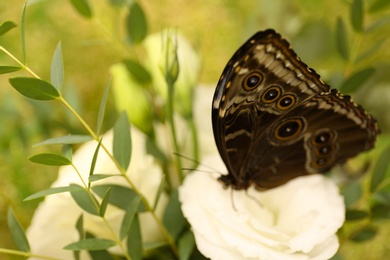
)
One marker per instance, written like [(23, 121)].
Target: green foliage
[(122, 141), (17, 232), (136, 23), (173, 217), (6, 26), (35, 88), (83, 7), (54, 190), (91, 244), (50, 159)]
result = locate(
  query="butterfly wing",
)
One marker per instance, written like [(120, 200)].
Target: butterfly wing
[(324, 131), (265, 85)]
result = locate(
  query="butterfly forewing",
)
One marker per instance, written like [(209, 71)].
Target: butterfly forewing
[(267, 108)]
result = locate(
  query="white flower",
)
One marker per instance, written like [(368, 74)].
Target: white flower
[(297, 220), (53, 224)]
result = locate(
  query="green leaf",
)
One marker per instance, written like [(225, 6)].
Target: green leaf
[(98, 177), (122, 141), (159, 192), (50, 159), (173, 218), (51, 191), (17, 232), (91, 244), (342, 39), (95, 155), (379, 212), (103, 205), (82, 6), (67, 151), (34, 88), (86, 201), (134, 240), (356, 80), (357, 15), (80, 231), (138, 71), (136, 23), (99, 254), (66, 139), (102, 108), (352, 193), (382, 197), (120, 196), (22, 32), (186, 245), (6, 26), (9, 69), (57, 69), (380, 169), (129, 216), (363, 234), (80, 226), (379, 5), (356, 214)]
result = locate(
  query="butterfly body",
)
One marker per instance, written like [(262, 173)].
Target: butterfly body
[(274, 119)]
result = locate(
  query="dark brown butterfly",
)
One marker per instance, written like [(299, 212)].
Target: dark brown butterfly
[(274, 119)]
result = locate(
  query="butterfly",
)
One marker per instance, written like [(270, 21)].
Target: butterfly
[(274, 119)]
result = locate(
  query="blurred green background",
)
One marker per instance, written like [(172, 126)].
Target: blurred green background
[(216, 28)]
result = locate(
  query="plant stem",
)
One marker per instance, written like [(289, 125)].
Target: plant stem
[(19, 62)]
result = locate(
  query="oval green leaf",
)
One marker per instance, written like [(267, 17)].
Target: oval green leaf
[(17, 232), (85, 201), (103, 205), (129, 216), (352, 193), (50, 159), (138, 71), (381, 168), (35, 88), (82, 6), (102, 108), (66, 139), (382, 197), (9, 69), (379, 5), (363, 234), (6, 26), (356, 215), (120, 196), (357, 15), (134, 240), (57, 69), (122, 141), (136, 23), (91, 244), (98, 177), (355, 81), (173, 218), (342, 39), (186, 245), (380, 212), (51, 191)]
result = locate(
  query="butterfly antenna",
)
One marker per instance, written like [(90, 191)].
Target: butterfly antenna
[(210, 169), (256, 200), (232, 198)]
